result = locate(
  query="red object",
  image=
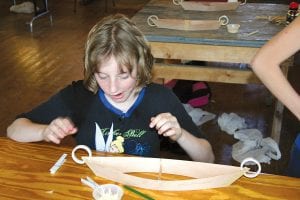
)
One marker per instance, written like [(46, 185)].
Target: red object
[(294, 5)]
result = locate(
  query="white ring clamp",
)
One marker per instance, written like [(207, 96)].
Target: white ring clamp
[(177, 2), (243, 3), (224, 20), (251, 174), (150, 20), (84, 147)]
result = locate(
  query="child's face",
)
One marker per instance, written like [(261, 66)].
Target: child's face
[(118, 86)]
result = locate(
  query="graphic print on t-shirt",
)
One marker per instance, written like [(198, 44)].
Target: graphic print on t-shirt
[(101, 145), (133, 141)]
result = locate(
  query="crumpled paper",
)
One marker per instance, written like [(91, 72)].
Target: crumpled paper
[(251, 144), (198, 115)]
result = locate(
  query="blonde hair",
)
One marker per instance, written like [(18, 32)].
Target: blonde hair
[(119, 143), (117, 36)]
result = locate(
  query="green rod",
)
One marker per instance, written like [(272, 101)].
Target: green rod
[(144, 196)]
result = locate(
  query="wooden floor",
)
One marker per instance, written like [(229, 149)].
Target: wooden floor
[(35, 66)]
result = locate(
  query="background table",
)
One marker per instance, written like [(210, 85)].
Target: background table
[(213, 46), (24, 174)]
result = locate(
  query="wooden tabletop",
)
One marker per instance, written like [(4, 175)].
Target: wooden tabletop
[(246, 15), (24, 174)]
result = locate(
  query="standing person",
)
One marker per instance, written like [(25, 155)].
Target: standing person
[(114, 108), (266, 65)]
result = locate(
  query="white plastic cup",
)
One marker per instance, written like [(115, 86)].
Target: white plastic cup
[(233, 28), (108, 191)]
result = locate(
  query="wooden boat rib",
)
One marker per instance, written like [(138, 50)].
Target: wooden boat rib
[(207, 6), (202, 175)]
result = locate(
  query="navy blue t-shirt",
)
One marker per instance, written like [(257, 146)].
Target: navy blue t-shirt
[(95, 117)]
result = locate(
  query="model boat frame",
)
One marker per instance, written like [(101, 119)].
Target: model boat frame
[(208, 6), (199, 175), (187, 25)]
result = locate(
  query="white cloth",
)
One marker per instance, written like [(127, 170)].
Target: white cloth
[(251, 144), (231, 123), (25, 7), (248, 135), (198, 115)]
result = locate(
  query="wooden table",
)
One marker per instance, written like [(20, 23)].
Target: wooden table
[(212, 46), (24, 174)]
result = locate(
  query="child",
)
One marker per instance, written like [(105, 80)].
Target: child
[(115, 98), (266, 65)]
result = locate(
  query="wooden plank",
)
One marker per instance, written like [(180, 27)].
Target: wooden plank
[(212, 53), (203, 73)]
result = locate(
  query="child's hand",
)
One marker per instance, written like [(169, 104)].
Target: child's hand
[(166, 125), (58, 129)]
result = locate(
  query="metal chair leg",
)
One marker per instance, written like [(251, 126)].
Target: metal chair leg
[(40, 14), (51, 20)]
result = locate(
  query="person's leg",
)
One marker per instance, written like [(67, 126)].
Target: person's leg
[(294, 163)]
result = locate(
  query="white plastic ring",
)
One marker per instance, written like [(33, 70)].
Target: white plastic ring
[(177, 2), (243, 3), (150, 20), (84, 147), (224, 20), (251, 174)]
